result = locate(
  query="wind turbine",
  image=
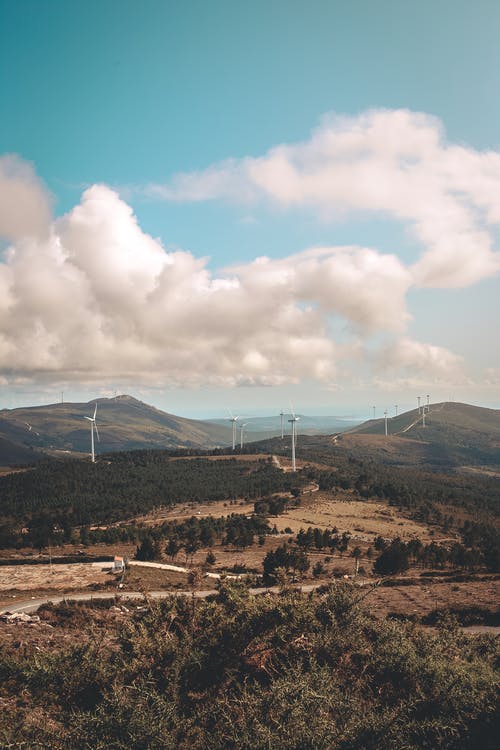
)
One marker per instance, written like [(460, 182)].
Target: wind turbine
[(241, 433), (396, 407), (293, 422), (428, 397), (374, 412), (233, 419), (418, 399), (385, 420), (93, 426), (282, 415)]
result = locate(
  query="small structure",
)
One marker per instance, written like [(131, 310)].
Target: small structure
[(118, 564)]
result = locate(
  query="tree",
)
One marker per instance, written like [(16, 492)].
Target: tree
[(210, 559), (318, 569), (148, 550), (394, 559), (173, 547)]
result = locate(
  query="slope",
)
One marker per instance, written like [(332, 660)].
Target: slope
[(453, 433), (124, 423)]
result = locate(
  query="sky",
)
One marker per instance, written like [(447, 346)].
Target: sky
[(239, 206)]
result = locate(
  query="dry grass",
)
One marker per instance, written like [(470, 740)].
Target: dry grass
[(420, 599), (59, 577), (181, 512), (362, 519)]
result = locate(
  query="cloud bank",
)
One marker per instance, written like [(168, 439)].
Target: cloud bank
[(394, 163), (91, 297)]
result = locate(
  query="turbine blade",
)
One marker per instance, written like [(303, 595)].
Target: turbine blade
[(95, 410), (91, 419), (97, 432)]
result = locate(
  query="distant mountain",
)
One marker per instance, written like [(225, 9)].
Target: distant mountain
[(124, 423), (453, 432), (265, 427)]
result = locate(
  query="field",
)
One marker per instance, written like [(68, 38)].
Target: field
[(362, 519)]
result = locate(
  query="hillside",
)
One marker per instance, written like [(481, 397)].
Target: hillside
[(453, 434), (13, 454), (124, 423)]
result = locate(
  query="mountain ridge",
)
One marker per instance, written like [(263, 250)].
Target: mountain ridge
[(124, 423)]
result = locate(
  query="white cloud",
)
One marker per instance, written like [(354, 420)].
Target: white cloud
[(418, 358), (90, 296), (25, 206), (393, 163)]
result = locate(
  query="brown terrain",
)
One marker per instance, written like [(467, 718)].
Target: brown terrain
[(416, 595)]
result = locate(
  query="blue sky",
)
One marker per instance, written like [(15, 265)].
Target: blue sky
[(131, 95)]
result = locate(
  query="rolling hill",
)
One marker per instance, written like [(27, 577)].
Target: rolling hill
[(124, 423), (453, 433)]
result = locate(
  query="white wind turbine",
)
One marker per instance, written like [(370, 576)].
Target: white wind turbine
[(241, 433), (282, 415), (233, 419), (93, 426), (293, 422)]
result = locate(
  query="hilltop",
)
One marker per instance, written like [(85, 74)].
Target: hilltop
[(124, 423)]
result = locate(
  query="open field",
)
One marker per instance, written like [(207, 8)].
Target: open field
[(362, 519), (19, 582), (420, 599), (183, 511)]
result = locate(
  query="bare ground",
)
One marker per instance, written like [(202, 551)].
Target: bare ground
[(362, 519)]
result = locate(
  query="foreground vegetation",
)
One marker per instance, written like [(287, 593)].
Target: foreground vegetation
[(287, 671)]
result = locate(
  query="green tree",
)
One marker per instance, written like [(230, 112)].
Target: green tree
[(148, 550), (394, 559)]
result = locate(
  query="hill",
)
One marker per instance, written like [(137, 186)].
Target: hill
[(12, 454), (124, 423), (453, 434)]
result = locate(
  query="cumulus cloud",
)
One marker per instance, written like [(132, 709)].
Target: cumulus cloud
[(25, 206), (420, 359), (395, 163), (91, 296)]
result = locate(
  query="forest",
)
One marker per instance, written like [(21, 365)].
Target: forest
[(119, 486), (288, 671), (423, 491)]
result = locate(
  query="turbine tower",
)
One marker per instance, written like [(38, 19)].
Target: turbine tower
[(241, 433), (396, 407), (428, 397), (234, 420), (293, 422), (418, 399), (282, 428), (93, 426), (374, 412), (385, 421)]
